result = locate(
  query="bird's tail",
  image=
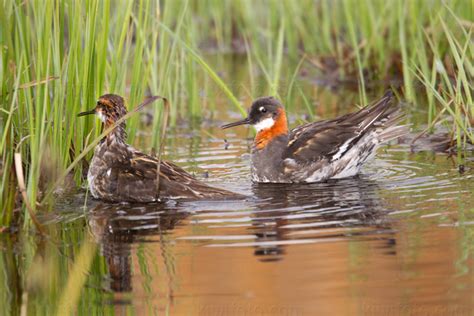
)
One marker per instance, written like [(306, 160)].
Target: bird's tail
[(384, 116)]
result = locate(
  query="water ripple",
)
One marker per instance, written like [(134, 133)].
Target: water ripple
[(397, 184)]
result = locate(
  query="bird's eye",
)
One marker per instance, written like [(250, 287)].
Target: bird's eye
[(262, 109)]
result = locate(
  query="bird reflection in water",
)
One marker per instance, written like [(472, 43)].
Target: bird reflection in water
[(281, 215), (299, 213), (117, 227)]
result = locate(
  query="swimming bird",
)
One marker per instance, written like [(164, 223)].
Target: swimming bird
[(120, 173), (314, 152)]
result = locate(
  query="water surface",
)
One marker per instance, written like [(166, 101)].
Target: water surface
[(396, 240)]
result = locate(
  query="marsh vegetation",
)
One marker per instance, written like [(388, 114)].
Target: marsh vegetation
[(210, 59)]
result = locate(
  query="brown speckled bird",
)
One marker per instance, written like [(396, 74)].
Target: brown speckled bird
[(318, 151), (120, 173)]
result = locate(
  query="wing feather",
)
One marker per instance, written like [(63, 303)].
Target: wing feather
[(331, 139)]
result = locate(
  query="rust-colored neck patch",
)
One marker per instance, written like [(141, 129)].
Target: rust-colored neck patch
[(118, 133), (279, 128), (109, 121)]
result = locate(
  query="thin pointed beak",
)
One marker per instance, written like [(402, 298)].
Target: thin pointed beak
[(242, 122), (86, 113)]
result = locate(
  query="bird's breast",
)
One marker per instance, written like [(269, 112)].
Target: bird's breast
[(267, 161)]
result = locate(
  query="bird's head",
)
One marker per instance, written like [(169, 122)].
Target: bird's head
[(265, 113), (109, 108), (268, 117)]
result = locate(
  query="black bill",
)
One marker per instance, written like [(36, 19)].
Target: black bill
[(242, 122), (86, 113)]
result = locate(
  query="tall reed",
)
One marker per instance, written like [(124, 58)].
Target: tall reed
[(58, 57)]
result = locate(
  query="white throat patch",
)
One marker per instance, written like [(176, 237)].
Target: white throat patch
[(101, 116), (264, 124)]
